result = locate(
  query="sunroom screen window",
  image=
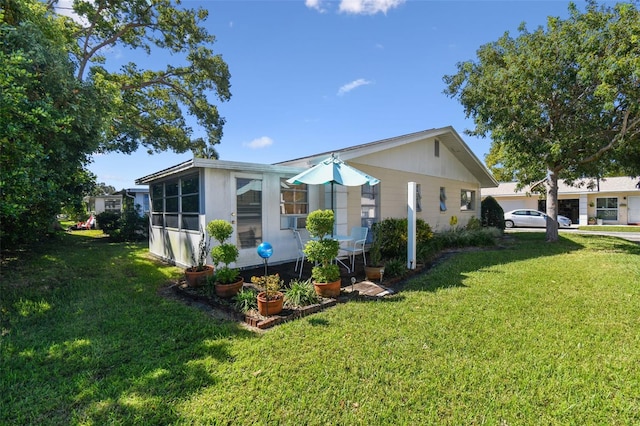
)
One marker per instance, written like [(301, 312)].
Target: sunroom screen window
[(176, 203)]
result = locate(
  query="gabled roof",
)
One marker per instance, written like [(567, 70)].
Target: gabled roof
[(446, 135), (585, 186)]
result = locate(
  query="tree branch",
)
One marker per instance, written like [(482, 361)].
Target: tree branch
[(620, 135)]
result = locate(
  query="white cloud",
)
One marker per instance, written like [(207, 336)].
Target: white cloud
[(315, 4), (354, 84), (368, 7), (259, 143)]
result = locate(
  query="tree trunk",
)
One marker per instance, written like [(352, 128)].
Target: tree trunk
[(552, 206)]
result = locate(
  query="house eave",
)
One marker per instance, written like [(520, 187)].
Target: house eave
[(218, 164), (446, 135)]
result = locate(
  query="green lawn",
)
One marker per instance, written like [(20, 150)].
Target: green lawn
[(609, 228), (532, 333)]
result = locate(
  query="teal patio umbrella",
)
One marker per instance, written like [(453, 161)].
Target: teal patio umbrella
[(333, 170)]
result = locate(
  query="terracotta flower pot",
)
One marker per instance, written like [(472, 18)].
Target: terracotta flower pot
[(328, 289), (372, 272), (229, 290), (271, 306), (198, 278)]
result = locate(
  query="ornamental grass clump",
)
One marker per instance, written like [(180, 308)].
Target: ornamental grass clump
[(199, 260), (300, 293)]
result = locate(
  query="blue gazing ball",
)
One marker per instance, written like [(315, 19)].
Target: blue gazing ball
[(265, 250)]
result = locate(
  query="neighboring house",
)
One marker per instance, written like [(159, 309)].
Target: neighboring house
[(615, 200), (101, 203), (137, 196), (115, 202), (256, 199)]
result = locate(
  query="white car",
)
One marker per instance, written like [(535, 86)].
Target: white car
[(530, 218)]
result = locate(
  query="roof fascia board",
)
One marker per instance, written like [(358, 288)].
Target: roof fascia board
[(461, 150), (220, 165)]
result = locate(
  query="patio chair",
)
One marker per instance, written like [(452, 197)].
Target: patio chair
[(301, 236), (89, 224), (356, 244)]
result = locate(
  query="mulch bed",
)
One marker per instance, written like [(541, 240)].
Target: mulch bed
[(206, 299)]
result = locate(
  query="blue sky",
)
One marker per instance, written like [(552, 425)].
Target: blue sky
[(322, 75)]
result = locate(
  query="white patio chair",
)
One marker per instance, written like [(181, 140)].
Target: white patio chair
[(301, 236), (356, 245)]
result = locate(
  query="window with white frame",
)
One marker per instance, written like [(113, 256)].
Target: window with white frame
[(607, 208), (176, 203), (467, 200), (369, 207), (294, 204)]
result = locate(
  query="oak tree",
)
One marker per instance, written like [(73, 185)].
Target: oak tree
[(61, 101), (561, 102)]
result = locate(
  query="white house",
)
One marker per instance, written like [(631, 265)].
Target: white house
[(115, 202), (104, 203), (137, 196), (615, 200), (256, 199)]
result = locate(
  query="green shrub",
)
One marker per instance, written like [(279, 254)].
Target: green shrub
[(125, 226), (491, 213), (395, 268), (473, 224), (426, 251), (391, 234), (322, 249), (459, 238), (224, 253), (108, 221), (226, 275)]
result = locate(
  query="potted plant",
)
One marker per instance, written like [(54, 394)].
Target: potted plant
[(270, 299), (323, 250), (228, 281), (196, 275), (592, 221), (374, 267)]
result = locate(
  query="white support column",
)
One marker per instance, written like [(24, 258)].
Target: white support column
[(583, 218), (411, 225)]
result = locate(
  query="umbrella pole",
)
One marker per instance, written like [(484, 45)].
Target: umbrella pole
[(334, 212)]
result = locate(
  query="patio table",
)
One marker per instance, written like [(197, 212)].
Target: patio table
[(341, 239)]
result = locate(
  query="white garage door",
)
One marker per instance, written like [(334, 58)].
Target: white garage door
[(633, 206), (508, 205)]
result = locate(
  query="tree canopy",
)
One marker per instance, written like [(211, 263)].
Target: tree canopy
[(148, 106), (49, 123), (60, 102), (561, 102)]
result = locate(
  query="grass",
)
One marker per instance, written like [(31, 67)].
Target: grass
[(530, 333), (609, 228)]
